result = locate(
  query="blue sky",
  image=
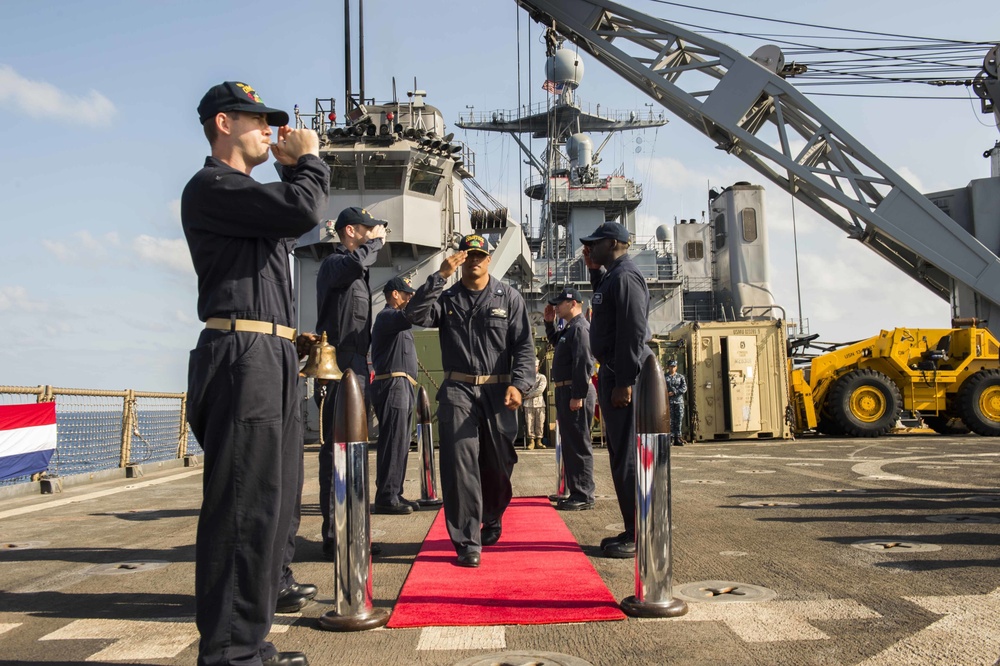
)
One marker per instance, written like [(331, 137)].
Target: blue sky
[(98, 102)]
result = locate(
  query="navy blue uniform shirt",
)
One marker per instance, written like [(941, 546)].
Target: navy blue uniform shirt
[(344, 297), (393, 349), (572, 360), (619, 328), (482, 334), (240, 233)]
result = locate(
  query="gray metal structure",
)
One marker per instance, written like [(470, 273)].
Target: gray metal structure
[(748, 110)]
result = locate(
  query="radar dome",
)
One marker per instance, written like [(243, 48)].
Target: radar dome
[(564, 67), (662, 233)]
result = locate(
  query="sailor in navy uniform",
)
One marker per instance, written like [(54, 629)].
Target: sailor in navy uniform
[(344, 307), (676, 388), (489, 363), (572, 369), (394, 358), (243, 404), (619, 332)]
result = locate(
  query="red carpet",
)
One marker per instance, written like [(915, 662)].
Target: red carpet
[(536, 574)]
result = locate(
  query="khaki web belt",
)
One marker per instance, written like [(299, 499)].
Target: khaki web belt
[(250, 326), (476, 380), (390, 375)]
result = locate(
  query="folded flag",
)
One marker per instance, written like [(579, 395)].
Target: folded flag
[(27, 438)]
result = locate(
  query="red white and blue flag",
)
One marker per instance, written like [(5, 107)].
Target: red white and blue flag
[(27, 438), (553, 87)]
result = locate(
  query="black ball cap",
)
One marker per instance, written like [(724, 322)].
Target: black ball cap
[(355, 215), (567, 294), (399, 284), (237, 96), (474, 243), (607, 230)]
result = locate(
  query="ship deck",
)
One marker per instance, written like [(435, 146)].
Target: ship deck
[(104, 572)]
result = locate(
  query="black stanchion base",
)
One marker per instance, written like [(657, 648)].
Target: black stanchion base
[(437, 501), (331, 621), (555, 497), (635, 608)]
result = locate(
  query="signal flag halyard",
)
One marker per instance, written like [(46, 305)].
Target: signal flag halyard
[(27, 438)]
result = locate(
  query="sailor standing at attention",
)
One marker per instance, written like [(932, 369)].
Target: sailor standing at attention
[(243, 404), (394, 358), (344, 307), (572, 368), (489, 363), (618, 336), (676, 388), (534, 411)]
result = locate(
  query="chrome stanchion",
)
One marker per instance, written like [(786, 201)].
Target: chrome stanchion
[(349, 521), (560, 493), (653, 552), (425, 442)]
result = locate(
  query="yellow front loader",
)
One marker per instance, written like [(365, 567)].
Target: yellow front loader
[(950, 377)]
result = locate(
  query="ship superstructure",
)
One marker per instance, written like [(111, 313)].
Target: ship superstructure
[(720, 263)]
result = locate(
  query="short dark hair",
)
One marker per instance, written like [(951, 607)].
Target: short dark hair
[(211, 131)]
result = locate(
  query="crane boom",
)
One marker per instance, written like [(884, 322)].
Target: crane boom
[(749, 111)]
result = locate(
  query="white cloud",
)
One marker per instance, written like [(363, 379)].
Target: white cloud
[(16, 299), (83, 245), (170, 253), (43, 100), (911, 178), (850, 293)]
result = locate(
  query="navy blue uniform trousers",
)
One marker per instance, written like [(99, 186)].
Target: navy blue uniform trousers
[(393, 400), (477, 459), (619, 425), (577, 448), (243, 409)]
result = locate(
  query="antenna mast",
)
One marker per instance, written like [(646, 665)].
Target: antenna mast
[(347, 53)]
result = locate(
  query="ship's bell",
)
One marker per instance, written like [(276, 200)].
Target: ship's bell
[(323, 361)]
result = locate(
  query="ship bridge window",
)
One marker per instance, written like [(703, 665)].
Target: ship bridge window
[(385, 175), (749, 225), (343, 177), (424, 179), (694, 250), (720, 231)]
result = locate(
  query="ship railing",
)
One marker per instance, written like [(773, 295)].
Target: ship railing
[(652, 260), (605, 188), (511, 115), (99, 430)]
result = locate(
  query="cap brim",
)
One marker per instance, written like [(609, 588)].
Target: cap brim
[(275, 117), (476, 249), (557, 301), (591, 239)]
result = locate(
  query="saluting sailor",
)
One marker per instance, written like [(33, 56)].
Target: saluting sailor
[(344, 307), (572, 369), (489, 363), (394, 358)]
